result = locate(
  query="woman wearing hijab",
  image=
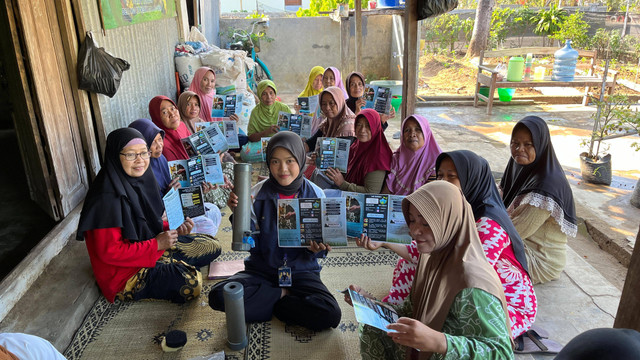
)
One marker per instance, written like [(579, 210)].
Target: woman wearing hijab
[(355, 89), (369, 157), (166, 116), (153, 135), (332, 77), (413, 164), (307, 302), (538, 199), (457, 309), (501, 242), (263, 121), (314, 84), (121, 221), (355, 97), (336, 121), (204, 85), (189, 108)]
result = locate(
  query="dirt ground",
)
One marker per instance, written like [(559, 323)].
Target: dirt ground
[(443, 75)]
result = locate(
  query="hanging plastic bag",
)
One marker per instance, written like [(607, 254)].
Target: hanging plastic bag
[(98, 71), (429, 8)]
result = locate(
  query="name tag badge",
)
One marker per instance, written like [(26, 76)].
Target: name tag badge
[(284, 276)]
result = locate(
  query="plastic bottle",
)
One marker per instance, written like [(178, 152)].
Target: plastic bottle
[(515, 68), (527, 67), (564, 65)]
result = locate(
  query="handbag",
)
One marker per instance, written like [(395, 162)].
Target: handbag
[(99, 71), (429, 8)]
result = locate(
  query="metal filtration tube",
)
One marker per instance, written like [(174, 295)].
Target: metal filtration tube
[(234, 309), (242, 213)]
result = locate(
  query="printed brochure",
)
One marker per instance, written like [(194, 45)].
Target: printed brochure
[(299, 124), (372, 313), (223, 105), (309, 104), (182, 203), (301, 221), (378, 98), (209, 140), (197, 169), (332, 153), (227, 127), (378, 216)]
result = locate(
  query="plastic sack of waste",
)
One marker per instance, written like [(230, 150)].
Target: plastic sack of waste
[(230, 66), (99, 71)]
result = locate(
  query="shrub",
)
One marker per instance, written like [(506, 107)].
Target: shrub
[(574, 28)]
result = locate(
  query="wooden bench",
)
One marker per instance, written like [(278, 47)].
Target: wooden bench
[(487, 76)]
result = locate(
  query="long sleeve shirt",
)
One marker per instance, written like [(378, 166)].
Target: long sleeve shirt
[(115, 259)]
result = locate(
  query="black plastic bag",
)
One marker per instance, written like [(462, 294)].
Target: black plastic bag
[(429, 8), (98, 71)]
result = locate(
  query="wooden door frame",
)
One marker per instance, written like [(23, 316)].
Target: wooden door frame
[(36, 136), (71, 45)]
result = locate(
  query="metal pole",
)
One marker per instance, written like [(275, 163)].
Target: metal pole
[(242, 213), (626, 15)]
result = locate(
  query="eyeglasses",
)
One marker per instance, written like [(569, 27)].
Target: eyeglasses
[(133, 156)]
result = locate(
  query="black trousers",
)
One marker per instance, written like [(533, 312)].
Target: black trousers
[(308, 304)]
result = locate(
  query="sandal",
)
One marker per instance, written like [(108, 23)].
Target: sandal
[(532, 342)]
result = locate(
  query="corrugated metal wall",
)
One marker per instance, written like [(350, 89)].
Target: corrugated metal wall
[(148, 47)]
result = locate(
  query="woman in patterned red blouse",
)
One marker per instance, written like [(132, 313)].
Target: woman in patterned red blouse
[(502, 245)]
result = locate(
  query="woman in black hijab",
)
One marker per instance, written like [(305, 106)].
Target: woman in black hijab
[(306, 301), (121, 221), (538, 199), (501, 243)]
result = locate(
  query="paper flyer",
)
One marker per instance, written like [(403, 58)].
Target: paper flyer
[(378, 98), (332, 153), (299, 124), (301, 221), (383, 219), (310, 104), (192, 202), (213, 169), (180, 169), (173, 207), (370, 312), (378, 216)]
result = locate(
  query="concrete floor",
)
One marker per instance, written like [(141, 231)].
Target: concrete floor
[(22, 223), (580, 300)]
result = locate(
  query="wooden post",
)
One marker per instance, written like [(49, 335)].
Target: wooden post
[(628, 316), (358, 39), (344, 44), (410, 58)]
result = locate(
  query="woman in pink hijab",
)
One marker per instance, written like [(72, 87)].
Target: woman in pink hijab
[(413, 164), (332, 77), (204, 84)]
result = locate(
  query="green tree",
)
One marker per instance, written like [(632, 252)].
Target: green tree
[(315, 6), (549, 21), (521, 23), (500, 26), (575, 29)]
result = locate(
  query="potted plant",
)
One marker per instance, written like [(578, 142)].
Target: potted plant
[(595, 164)]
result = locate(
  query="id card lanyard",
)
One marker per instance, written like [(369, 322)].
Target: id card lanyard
[(284, 274)]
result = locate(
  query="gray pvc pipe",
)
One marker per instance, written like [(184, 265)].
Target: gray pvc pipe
[(234, 309), (242, 213)]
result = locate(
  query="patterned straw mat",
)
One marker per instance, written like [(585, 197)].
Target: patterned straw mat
[(131, 330)]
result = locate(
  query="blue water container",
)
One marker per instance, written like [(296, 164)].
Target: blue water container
[(564, 64)]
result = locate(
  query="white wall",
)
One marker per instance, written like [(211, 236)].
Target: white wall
[(250, 5)]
